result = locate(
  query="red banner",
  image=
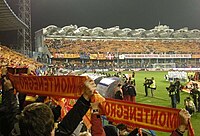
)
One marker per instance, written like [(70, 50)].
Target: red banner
[(132, 114), (62, 86), (142, 115)]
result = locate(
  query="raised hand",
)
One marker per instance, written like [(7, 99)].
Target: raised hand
[(90, 87), (184, 118), (7, 84)]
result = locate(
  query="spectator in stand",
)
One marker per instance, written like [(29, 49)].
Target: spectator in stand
[(184, 120), (8, 108), (37, 118), (121, 130)]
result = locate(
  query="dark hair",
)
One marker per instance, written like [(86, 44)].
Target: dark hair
[(111, 130), (56, 112), (188, 98), (131, 82), (36, 120), (119, 85), (121, 127)]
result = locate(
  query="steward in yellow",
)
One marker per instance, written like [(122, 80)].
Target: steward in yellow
[(153, 86)]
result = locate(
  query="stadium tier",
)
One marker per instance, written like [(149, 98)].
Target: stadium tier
[(65, 45), (121, 47), (9, 57)]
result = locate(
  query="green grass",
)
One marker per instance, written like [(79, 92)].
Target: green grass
[(161, 97)]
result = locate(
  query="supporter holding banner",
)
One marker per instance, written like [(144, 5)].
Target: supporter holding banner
[(141, 115), (63, 86), (134, 115)]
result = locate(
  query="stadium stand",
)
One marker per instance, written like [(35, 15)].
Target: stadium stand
[(115, 47), (12, 58), (160, 39), (138, 46), (10, 21)]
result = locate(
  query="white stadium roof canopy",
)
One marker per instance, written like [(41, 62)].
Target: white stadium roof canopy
[(159, 32), (8, 19)]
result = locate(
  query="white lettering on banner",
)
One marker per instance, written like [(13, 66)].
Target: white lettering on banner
[(132, 56)]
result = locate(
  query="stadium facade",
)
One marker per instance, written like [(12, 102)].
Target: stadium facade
[(160, 47)]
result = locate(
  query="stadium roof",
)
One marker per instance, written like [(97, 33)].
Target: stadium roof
[(158, 32), (8, 19)]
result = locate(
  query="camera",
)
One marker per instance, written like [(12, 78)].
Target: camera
[(148, 82), (171, 88)]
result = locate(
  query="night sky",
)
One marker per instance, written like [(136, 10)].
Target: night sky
[(124, 13)]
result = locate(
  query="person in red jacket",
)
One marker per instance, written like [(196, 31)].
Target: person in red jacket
[(96, 129)]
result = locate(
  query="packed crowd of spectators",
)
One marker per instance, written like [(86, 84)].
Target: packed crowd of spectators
[(138, 46), (40, 119), (116, 47), (9, 57)]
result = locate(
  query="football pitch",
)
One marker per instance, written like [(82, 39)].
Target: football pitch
[(161, 97)]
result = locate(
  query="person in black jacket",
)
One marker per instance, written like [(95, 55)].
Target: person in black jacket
[(131, 91), (178, 85), (194, 93), (172, 93), (8, 108), (146, 86), (37, 119), (125, 92), (118, 92)]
